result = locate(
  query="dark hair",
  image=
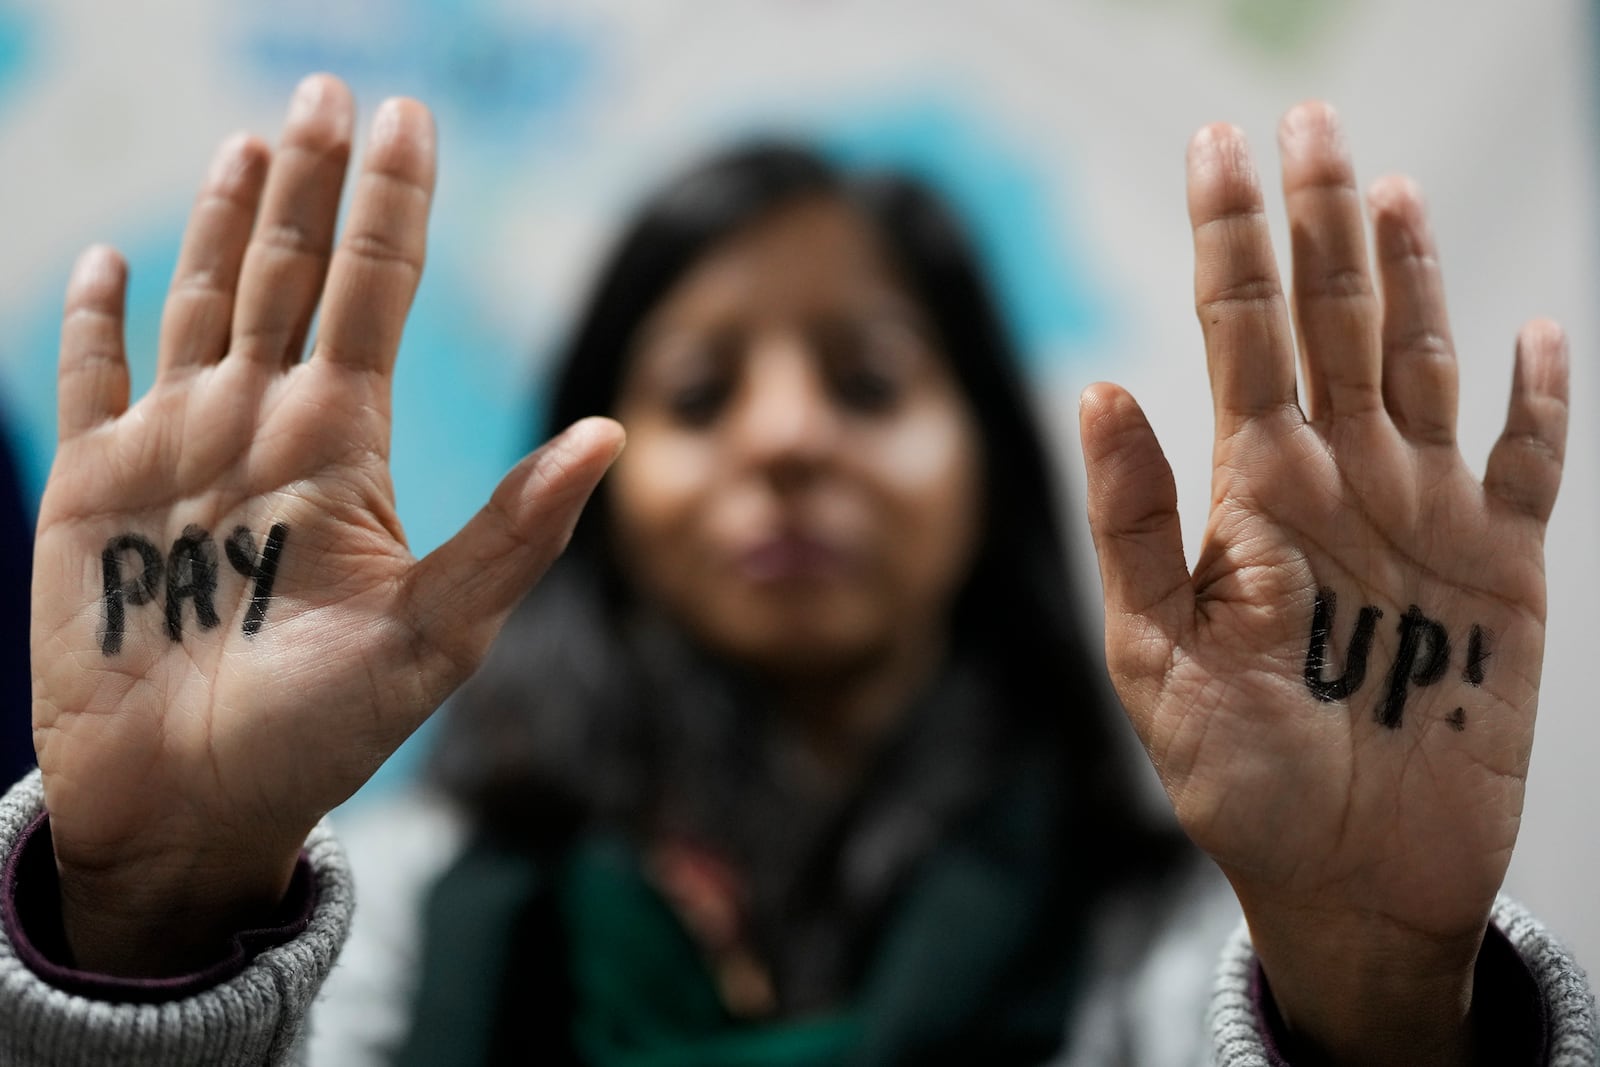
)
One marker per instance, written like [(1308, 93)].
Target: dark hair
[(576, 656)]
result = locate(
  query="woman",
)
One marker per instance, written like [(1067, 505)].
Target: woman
[(796, 652), (772, 537)]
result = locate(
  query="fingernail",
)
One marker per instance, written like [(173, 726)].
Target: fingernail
[(1546, 376), (1203, 145), (386, 121), (98, 267), (1307, 123), (599, 426), (230, 162), (307, 96), (399, 118), (1215, 139), (1221, 147), (222, 159)]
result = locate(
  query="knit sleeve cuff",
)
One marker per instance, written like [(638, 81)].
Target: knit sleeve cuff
[(248, 1007), (1533, 1004), (30, 910)]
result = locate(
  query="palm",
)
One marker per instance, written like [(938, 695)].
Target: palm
[(242, 706), (229, 633), (1377, 810), (1383, 806)]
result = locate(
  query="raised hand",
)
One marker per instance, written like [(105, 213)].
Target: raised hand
[(229, 634), (1340, 698)]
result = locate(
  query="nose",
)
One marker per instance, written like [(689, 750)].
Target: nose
[(786, 422)]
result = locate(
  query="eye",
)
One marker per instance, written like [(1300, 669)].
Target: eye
[(685, 375), (865, 390), (870, 363), (695, 404)]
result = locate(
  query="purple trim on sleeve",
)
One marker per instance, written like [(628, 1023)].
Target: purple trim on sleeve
[(1273, 1033), (1509, 1019), (30, 908)]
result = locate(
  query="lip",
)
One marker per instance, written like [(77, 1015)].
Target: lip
[(792, 557)]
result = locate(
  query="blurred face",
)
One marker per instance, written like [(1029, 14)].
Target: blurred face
[(801, 485)]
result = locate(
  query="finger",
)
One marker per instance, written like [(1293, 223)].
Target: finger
[(92, 379), (1334, 304), (379, 261), (459, 595), (1525, 464), (287, 258), (1237, 293), (1419, 359), (196, 321), (1133, 515)]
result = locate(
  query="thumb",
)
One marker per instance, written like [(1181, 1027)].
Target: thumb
[(1133, 515), (458, 596)]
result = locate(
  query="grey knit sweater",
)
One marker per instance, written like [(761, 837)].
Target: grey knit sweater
[(1133, 1012)]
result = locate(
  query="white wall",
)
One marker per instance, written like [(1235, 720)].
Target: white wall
[(1061, 125)]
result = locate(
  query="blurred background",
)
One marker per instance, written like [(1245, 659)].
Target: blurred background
[(1059, 130)]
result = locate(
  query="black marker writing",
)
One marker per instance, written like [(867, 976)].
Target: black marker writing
[(241, 548), (140, 589), (1477, 653), (1422, 658), (1355, 660), (190, 570), (191, 575)]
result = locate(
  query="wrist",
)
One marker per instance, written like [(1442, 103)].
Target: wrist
[(1362, 991), (167, 916)]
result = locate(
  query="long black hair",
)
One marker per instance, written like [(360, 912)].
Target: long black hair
[(549, 732)]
